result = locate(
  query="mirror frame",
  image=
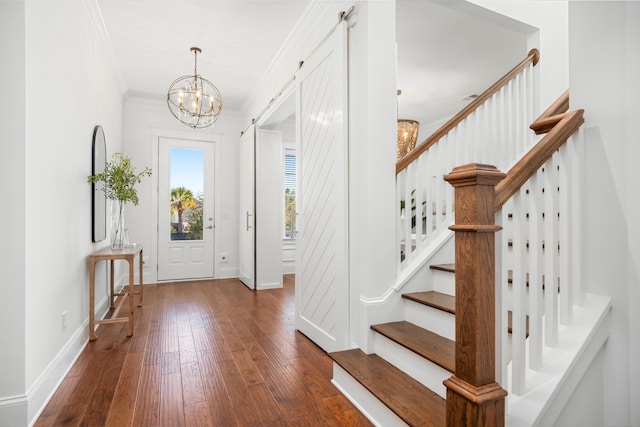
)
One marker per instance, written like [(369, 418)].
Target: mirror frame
[(98, 197)]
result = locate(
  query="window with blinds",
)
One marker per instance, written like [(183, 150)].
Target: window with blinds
[(290, 194)]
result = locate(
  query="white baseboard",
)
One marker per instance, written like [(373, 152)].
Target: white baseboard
[(263, 286), (227, 273), (48, 382)]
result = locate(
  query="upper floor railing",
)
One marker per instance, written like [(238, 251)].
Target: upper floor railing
[(492, 129)]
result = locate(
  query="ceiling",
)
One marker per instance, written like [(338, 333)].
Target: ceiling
[(444, 53)]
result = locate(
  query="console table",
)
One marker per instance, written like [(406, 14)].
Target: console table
[(127, 254)]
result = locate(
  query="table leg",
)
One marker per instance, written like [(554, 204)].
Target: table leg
[(111, 274), (131, 296), (92, 285), (141, 287)]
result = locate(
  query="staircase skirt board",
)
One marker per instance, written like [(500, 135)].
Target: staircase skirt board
[(412, 402)]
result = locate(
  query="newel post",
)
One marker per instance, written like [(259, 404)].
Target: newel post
[(474, 398)]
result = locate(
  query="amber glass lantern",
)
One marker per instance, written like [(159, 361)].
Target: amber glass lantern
[(407, 136)]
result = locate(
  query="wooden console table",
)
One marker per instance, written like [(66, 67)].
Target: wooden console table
[(127, 254)]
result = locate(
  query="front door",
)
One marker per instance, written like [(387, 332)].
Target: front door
[(185, 209)]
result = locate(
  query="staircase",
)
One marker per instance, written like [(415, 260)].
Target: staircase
[(411, 361), (443, 359)]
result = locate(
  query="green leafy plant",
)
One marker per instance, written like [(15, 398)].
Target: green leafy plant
[(413, 208), (119, 179)]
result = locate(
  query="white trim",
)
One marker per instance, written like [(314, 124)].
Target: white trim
[(43, 388), (553, 385)]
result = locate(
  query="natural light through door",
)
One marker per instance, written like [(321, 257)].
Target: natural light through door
[(185, 210)]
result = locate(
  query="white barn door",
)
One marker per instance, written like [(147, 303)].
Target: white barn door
[(322, 275), (246, 197)]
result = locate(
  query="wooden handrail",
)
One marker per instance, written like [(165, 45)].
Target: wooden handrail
[(552, 115), (532, 58), (537, 156)]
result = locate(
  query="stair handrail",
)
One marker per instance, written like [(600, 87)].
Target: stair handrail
[(480, 192), (532, 58), (537, 156)]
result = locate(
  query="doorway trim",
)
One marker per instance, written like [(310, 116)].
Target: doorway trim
[(201, 136)]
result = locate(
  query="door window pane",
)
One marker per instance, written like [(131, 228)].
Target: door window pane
[(186, 193)]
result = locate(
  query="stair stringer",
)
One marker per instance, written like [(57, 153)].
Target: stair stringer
[(440, 251)]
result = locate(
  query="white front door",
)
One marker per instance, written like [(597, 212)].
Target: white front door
[(247, 220), (322, 268), (185, 209)]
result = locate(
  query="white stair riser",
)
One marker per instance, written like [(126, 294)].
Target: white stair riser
[(420, 369), (378, 413), (444, 282), (431, 319)]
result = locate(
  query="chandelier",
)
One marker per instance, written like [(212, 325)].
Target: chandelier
[(194, 101), (407, 136)]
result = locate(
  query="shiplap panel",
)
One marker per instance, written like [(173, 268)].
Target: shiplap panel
[(322, 275)]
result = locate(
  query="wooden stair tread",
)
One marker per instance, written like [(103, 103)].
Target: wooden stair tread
[(433, 347), (434, 299), (449, 268), (414, 403)]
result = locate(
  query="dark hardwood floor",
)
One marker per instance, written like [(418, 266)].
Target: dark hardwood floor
[(206, 353)]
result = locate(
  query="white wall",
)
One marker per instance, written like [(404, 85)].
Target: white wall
[(604, 62), (584, 407), (550, 18), (144, 118), (70, 87), (12, 186), (372, 110)]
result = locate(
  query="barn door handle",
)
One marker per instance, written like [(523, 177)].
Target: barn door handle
[(248, 215)]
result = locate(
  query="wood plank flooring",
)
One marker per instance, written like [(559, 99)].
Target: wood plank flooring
[(206, 353)]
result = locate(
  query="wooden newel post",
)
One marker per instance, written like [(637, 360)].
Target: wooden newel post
[(474, 398)]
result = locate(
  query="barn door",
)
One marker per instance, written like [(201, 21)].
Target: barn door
[(246, 196), (322, 279)]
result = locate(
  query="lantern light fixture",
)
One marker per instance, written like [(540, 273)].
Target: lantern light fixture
[(194, 100)]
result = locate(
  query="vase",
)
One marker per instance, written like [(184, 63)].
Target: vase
[(117, 228)]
